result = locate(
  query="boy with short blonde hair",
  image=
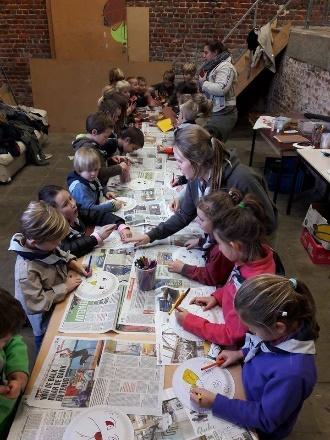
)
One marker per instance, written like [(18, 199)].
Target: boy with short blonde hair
[(84, 185), (41, 271)]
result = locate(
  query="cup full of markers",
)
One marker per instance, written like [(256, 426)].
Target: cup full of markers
[(145, 273)]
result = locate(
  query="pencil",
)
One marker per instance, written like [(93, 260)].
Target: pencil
[(213, 364), (89, 264), (179, 301)]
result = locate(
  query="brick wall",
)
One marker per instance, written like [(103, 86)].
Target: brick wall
[(177, 31), (301, 87), (178, 28), (23, 34)]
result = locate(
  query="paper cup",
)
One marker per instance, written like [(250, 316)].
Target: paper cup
[(146, 278)]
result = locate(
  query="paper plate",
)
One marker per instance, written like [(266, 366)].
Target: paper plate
[(129, 203), (216, 380), (100, 423), (302, 146), (194, 257), (99, 286), (139, 184)]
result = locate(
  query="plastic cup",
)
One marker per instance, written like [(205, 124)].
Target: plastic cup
[(146, 278)]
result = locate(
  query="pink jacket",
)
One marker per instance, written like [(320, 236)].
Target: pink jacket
[(232, 332)]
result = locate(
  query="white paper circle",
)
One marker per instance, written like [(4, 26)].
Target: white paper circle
[(129, 203), (140, 184), (217, 380), (99, 286), (100, 421), (194, 257), (302, 147)]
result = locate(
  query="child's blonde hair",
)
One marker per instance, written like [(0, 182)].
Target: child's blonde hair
[(265, 299), (122, 86), (189, 68), (203, 151), (189, 110), (115, 74), (42, 222), (204, 105), (86, 159)]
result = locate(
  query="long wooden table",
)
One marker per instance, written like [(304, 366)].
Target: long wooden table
[(53, 331)]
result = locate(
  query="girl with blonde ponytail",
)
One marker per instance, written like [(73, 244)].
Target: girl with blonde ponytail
[(208, 167)]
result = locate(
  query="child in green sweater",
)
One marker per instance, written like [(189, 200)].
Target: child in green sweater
[(14, 368)]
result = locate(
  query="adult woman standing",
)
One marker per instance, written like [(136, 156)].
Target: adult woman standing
[(207, 167), (216, 80)]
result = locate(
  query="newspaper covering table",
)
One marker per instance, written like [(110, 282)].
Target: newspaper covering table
[(81, 372)]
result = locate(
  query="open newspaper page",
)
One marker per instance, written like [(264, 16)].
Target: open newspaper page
[(175, 422), (83, 316), (138, 308), (174, 344), (81, 373)]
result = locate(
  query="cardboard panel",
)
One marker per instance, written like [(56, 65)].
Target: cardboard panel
[(79, 32), (69, 89), (138, 33)]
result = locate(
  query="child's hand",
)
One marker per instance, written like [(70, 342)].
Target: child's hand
[(192, 243), (115, 159), (175, 266), (125, 234), (138, 239), (4, 390), (106, 230), (16, 383), (110, 195), (73, 281), (174, 205), (231, 357), (15, 389), (202, 397), (181, 314), (118, 204), (207, 302), (76, 266)]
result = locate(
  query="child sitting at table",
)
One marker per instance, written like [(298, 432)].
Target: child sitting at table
[(217, 267), (165, 89), (41, 272), (77, 241), (84, 185), (279, 370), (239, 232), (99, 128), (204, 109), (187, 115), (14, 361)]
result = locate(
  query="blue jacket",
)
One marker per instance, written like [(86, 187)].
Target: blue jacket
[(276, 380), (87, 194)]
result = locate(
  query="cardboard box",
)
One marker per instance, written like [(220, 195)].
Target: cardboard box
[(317, 253), (317, 214)]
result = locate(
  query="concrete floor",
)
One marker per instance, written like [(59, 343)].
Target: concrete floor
[(314, 420)]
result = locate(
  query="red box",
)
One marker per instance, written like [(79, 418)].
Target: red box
[(317, 253)]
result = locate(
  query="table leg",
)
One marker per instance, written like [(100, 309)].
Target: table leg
[(278, 182), (254, 135), (293, 186)]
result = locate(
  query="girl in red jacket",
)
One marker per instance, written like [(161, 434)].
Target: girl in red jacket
[(239, 232), (217, 268)]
